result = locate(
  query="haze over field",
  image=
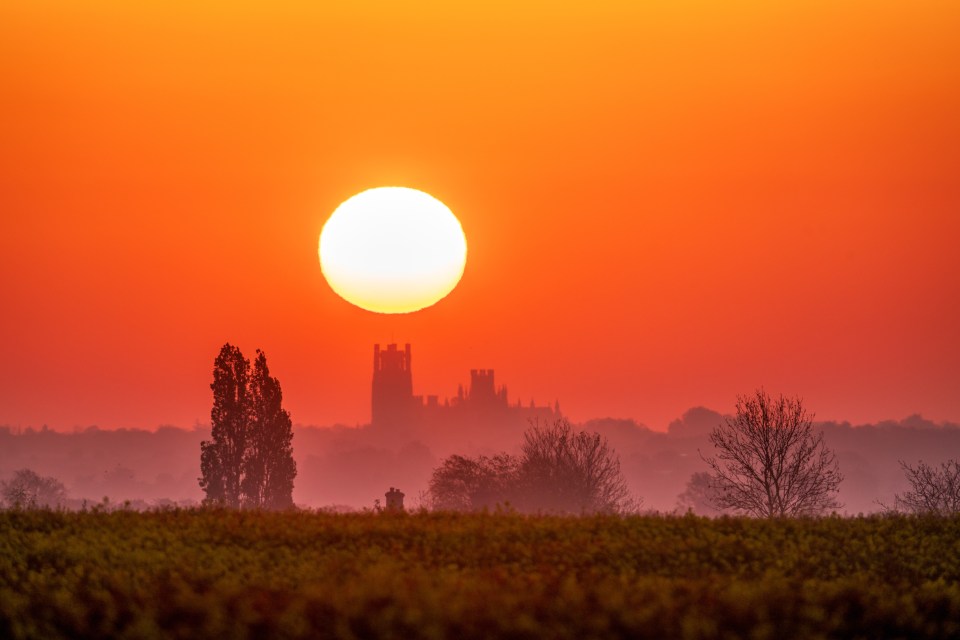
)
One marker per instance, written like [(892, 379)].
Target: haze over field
[(351, 467)]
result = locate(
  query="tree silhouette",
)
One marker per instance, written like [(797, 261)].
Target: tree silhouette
[(249, 459), (221, 459), (699, 496), (269, 468), (559, 470), (462, 483), (932, 490), (567, 471), (771, 462), (29, 490)]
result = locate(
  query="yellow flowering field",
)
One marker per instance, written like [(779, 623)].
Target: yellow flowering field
[(246, 574)]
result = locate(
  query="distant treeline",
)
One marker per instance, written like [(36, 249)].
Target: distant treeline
[(349, 467)]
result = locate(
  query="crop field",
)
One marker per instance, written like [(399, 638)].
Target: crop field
[(229, 574)]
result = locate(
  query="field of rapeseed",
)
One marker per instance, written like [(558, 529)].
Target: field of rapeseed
[(230, 574)]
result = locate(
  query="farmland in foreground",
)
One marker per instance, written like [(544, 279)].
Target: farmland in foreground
[(218, 574)]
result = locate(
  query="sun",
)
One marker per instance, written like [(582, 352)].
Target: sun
[(392, 250)]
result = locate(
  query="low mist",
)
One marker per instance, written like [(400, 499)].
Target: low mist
[(347, 468)]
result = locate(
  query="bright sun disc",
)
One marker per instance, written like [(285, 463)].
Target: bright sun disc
[(392, 250)]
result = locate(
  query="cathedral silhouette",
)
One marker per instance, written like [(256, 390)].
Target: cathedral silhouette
[(483, 404)]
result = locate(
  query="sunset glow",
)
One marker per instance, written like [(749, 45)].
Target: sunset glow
[(666, 203)]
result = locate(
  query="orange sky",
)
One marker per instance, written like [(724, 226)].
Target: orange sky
[(666, 203)]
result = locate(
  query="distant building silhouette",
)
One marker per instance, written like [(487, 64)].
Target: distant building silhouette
[(483, 404), (394, 499), (392, 385)]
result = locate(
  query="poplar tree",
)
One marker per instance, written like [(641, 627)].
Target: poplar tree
[(269, 468), (222, 457), (248, 462)]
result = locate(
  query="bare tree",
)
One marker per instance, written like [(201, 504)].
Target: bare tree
[(567, 471), (932, 490), (29, 490), (771, 462)]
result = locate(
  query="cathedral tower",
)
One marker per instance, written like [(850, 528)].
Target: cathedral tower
[(392, 400)]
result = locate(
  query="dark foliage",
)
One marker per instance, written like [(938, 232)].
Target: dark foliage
[(269, 467), (461, 483), (221, 458), (249, 459), (559, 470)]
